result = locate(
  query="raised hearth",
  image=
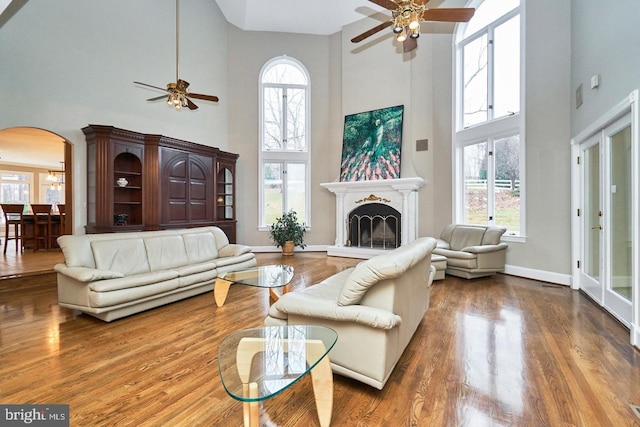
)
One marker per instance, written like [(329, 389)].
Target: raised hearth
[(400, 195)]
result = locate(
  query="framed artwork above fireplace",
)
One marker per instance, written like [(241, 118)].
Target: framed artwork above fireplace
[(371, 145)]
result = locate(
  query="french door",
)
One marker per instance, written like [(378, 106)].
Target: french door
[(606, 225)]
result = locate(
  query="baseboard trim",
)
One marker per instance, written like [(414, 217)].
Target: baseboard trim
[(541, 275), (528, 273), (635, 335), (308, 248)]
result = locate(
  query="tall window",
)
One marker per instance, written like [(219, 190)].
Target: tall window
[(489, 137), (284, 140)]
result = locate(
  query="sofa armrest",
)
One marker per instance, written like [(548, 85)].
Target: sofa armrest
[(85, 274), (233, 249), (485, 248), (310, 306)]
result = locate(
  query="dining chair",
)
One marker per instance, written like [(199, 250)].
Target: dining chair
[(13, 219), (42, 224)]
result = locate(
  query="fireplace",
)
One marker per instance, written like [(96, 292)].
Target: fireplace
[(374, 216), (374, 225)]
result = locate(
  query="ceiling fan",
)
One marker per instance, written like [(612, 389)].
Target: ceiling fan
[(406, 16), (178, 95)]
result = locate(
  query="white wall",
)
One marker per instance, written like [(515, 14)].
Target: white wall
[(69, 64), (547, 123), (604, 41)]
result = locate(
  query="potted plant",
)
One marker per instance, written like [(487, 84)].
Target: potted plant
[(287, 232)]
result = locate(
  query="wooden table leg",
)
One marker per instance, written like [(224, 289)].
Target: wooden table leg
[(251, 410), (273, 296), (220, 291), (322, 379)]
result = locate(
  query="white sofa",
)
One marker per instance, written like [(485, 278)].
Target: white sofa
[(113, 275), (374, 307), (472, 251)]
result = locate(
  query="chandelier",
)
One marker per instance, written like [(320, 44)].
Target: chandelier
[(56, 178)]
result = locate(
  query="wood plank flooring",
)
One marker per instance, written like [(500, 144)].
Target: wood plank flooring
[(502, 351)]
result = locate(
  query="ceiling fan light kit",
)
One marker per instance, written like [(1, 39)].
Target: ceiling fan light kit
[(406, 16)]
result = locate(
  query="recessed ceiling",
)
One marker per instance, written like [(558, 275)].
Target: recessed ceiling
[(321, 17)]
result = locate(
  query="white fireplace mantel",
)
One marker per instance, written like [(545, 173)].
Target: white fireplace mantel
[(401, 194)]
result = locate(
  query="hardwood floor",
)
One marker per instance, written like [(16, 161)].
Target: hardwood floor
[(490, 352)]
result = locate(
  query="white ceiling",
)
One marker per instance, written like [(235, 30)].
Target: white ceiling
[(296, 16)]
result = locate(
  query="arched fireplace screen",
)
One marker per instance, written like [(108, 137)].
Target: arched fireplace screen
[(374, 225)]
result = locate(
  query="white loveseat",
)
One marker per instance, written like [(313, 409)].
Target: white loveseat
[(113, 275), (374, 307)]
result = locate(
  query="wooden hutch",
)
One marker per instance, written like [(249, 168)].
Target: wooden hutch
[(140, 182)]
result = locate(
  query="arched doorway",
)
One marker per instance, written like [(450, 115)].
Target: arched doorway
[(39, 152)]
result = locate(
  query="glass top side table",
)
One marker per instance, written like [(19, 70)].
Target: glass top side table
[(257, 364), (267, 276)]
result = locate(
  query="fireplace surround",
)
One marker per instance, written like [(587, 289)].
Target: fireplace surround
[(377, 201)]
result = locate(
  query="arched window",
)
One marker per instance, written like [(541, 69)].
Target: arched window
[(284, 140), (489, 138)]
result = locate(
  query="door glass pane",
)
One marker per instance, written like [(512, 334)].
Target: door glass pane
[(621, 213), (592, 211), (272, 125), (273, 195), (506, 59), (296, 188), (475, 82), (507, 183), (475, 184), (296, 115)]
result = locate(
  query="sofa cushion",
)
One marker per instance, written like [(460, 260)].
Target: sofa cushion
[(126, 256), (165, 252), (385, 266), (493, 235), (200, 247), (464, 236)]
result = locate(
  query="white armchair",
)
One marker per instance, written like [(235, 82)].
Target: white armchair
[(472, 250)]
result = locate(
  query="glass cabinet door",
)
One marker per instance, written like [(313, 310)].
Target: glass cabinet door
[(225, 197)]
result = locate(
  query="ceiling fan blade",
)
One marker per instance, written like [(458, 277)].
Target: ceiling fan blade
[(191, 105), (409, 44), (387, 4), (155, 87), (420, 2), (371, 32), (203, 97), (158, 98), (448, 15)]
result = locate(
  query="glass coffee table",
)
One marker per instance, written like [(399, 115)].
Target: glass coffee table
[(257, 364), (267, 276)]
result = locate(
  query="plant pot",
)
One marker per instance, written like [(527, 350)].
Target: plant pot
[(287, 248)]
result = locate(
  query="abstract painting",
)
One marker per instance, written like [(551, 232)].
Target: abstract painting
[(371, 145)]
